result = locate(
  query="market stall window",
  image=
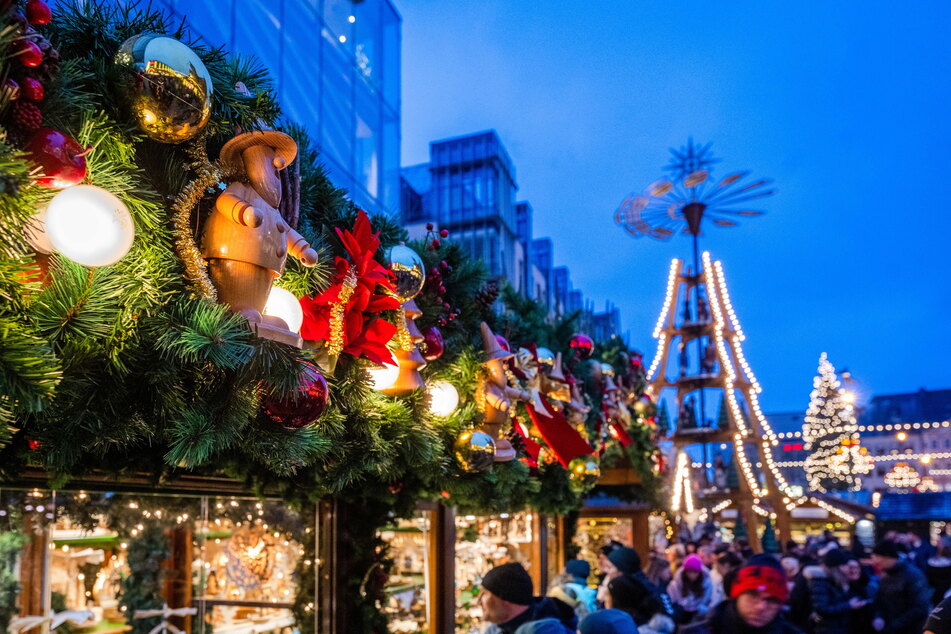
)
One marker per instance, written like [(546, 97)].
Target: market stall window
[(595, 532), (483, 542), (408, 588), (228, 565)]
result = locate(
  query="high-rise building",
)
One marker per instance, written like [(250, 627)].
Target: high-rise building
[(336, 67)]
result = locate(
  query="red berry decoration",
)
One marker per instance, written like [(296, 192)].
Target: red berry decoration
[(38, 12), (444, 233), (33, 89), (434, 345), (26, 115), (302, 407), (583, 345), (29, 53), (429, 226), (436, 243), (63, 160), (33, 444)]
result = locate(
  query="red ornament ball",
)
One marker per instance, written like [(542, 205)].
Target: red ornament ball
[(429, 226), (29, 53), (583, 345), (63, 160), (436, 243), (38, 12), (33, 89), (302, 407), (444, 233), (503, 342), (434, 345)]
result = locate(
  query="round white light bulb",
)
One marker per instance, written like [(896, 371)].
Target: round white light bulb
[(284, 304), (384, 376), (89, 225), (443, 398)]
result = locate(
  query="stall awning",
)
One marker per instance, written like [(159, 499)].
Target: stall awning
[(914, 506)]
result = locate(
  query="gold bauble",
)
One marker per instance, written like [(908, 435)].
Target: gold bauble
[(475, 451), (169, 88), (583, 472), (607, 370), (409, 270)]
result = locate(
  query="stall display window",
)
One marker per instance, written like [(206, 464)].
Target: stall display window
[(595, 532), (225, 565), (408, 585), (483, 542)]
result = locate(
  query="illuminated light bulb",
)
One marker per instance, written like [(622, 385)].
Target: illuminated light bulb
[(89, 225), (926, 459), (284, 304), (901, 436), (443, 398), (384, 376)]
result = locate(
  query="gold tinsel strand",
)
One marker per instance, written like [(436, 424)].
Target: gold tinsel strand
[(335, 344), (403, 339), (208, 175)]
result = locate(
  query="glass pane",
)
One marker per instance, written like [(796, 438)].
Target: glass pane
[(595, 532), (249, 556), (336, 130), (301, 86), (483, 542), (367, 34), (258, 33), (391, 57), (25, 520), (408, 585), (367, 142), (339, 18)]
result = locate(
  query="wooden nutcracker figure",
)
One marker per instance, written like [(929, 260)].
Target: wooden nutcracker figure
[(246, 240), (498, 395)]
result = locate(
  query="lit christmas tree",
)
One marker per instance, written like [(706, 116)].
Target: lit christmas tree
[(836, 458)]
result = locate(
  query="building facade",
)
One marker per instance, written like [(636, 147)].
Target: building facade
[(336, 68)]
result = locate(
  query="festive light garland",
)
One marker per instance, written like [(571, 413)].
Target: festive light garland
[(902, 476), (682, 488), (659, 334)]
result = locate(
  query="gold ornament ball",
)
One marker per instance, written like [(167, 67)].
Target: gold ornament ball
[(583, 472), (409, 270), (607, 370), (475, 451), (168, 86)]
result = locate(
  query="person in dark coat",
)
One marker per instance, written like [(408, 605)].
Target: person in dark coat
[(903, 600), (632, 592), (832, 606), (939, 621), (755, 605), (864, 585), (507, 601)]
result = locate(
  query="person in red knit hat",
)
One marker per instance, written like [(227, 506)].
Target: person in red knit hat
[(756, 602)]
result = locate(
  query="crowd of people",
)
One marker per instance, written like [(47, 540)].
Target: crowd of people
[(903, 586)]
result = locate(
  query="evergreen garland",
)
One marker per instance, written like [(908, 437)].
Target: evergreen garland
[(120, 369)]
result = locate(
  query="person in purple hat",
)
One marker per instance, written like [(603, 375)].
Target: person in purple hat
[(692, 589)]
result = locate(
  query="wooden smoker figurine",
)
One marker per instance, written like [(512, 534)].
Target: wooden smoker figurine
[(246, 241), (498, 395), (410, 361)]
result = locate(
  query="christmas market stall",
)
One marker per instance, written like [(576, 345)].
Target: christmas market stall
[(232, 400)]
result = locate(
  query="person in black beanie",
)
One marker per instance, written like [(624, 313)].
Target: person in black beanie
[(507, 601), (902, 603), (632, 592)]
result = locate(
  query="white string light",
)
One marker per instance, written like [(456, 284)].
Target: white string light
[(682, 488)]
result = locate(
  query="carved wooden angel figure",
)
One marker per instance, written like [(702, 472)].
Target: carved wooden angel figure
[(246, 240)]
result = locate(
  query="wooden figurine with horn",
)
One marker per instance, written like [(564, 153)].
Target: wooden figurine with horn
[(497, 395), (246, 240)]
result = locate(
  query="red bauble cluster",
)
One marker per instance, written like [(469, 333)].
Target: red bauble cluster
[(435, 289), (302, 407), (60, 157)]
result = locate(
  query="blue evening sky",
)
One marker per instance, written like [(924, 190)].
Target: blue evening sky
[(844, 104)]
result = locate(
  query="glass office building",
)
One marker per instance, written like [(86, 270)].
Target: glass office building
[(336, 67)]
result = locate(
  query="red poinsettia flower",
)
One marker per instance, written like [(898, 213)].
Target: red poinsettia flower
[(364, 287)]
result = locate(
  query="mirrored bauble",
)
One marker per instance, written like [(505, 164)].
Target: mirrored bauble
[(409, 270), (475, 451), (304, 405), (583, 345), (583, 472), (546, 358), (169, 89)]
